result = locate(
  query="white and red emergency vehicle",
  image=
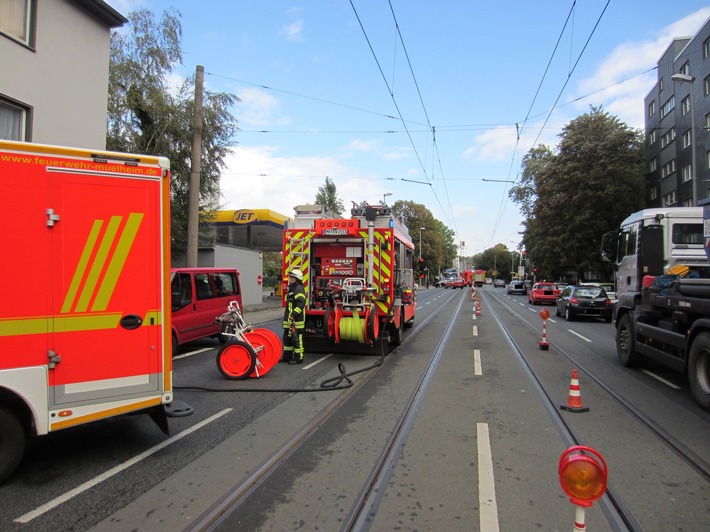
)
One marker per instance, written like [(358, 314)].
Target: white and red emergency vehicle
[(357, 273), (85, 319)]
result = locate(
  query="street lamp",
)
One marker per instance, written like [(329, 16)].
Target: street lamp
[(384, 197), (685, 78)]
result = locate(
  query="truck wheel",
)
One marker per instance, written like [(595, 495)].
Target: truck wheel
[(625, 342), (409, 323), (699, 370), (12, 443), (398, 332), (236, 360)]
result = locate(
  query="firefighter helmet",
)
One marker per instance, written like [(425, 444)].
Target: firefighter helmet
[(296, 273)]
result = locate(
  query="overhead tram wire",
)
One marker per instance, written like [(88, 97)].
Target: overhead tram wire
[(569, 76), (394, 101), (329, 102), (426, 114), (504, 199)]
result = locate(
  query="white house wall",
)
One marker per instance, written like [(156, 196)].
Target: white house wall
[(64, 79)]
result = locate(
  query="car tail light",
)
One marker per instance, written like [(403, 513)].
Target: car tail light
[(574, 300), (608, 302)]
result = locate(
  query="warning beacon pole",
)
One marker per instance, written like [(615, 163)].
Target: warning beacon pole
[(544, 314)]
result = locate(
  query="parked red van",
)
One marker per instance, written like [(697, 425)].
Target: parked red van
[(199, 295)]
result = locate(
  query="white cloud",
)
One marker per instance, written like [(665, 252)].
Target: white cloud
[(361, 145), (256, 177), (293, 31), (618, 84), (259, 108)]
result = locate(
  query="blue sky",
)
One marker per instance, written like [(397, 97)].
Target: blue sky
[(433, 102)]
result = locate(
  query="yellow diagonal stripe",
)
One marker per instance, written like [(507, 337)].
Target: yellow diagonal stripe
[(98, 265), (81, 266), (117, 261)]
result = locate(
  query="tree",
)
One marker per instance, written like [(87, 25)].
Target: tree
[(328, 196), (437, 241), (146, 116), (572, 197)]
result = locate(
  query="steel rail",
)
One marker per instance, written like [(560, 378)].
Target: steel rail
[(695, 462), (220, 511)]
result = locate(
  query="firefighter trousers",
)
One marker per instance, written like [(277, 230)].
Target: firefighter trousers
[(293, 345)]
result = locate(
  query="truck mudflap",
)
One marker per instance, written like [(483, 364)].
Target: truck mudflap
[(161, 413)]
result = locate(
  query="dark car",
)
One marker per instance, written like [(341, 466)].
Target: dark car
[(499, 283), (584, 301)]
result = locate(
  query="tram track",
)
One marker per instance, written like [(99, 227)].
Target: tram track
[(365, 505), (615, 509)]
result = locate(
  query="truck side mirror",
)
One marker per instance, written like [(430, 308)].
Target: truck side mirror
[(609, 245)]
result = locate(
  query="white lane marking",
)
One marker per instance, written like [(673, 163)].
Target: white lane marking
[(486, 483), (475, 330), (661, 379), (192, 353), (474, 316), (428, 303), (321, 359), (577, 334), (477, 362), (114, 471)]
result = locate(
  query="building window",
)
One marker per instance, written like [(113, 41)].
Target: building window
[(706, 86), (706, 49), (652, 137), (668, 137), (652, 108), (684, 69), (653, 193), (660, 85), (16, 19), (652, 165), (668, 106), (688, 202), (686, 139), (707, 121), (687, 172), (13, 120), (685, 106), (707, 159), (668, 168), (669, 199)]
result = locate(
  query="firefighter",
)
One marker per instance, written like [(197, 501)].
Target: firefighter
[(294, 318)]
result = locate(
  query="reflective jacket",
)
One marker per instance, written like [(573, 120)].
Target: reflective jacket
[(295, 305)]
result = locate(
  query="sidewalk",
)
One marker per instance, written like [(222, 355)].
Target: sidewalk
[(268, 310)]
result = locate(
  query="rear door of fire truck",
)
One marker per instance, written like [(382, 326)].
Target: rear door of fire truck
[(108, 282)]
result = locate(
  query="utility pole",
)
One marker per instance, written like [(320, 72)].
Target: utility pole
[(193, 206)]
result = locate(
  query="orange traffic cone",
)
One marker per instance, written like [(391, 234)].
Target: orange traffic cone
[(574, 401)]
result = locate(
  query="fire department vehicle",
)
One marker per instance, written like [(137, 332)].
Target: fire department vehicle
[(85, 323), (479, 277), (357, 273)]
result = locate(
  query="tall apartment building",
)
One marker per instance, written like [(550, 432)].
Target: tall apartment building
[(677, 124)]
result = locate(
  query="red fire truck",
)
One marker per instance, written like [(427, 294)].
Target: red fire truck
[(357, 273)]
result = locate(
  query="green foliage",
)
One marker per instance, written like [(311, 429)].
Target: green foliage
[(328, 196), (146, 115), (438, 243), (498, 262), (572, 197)]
